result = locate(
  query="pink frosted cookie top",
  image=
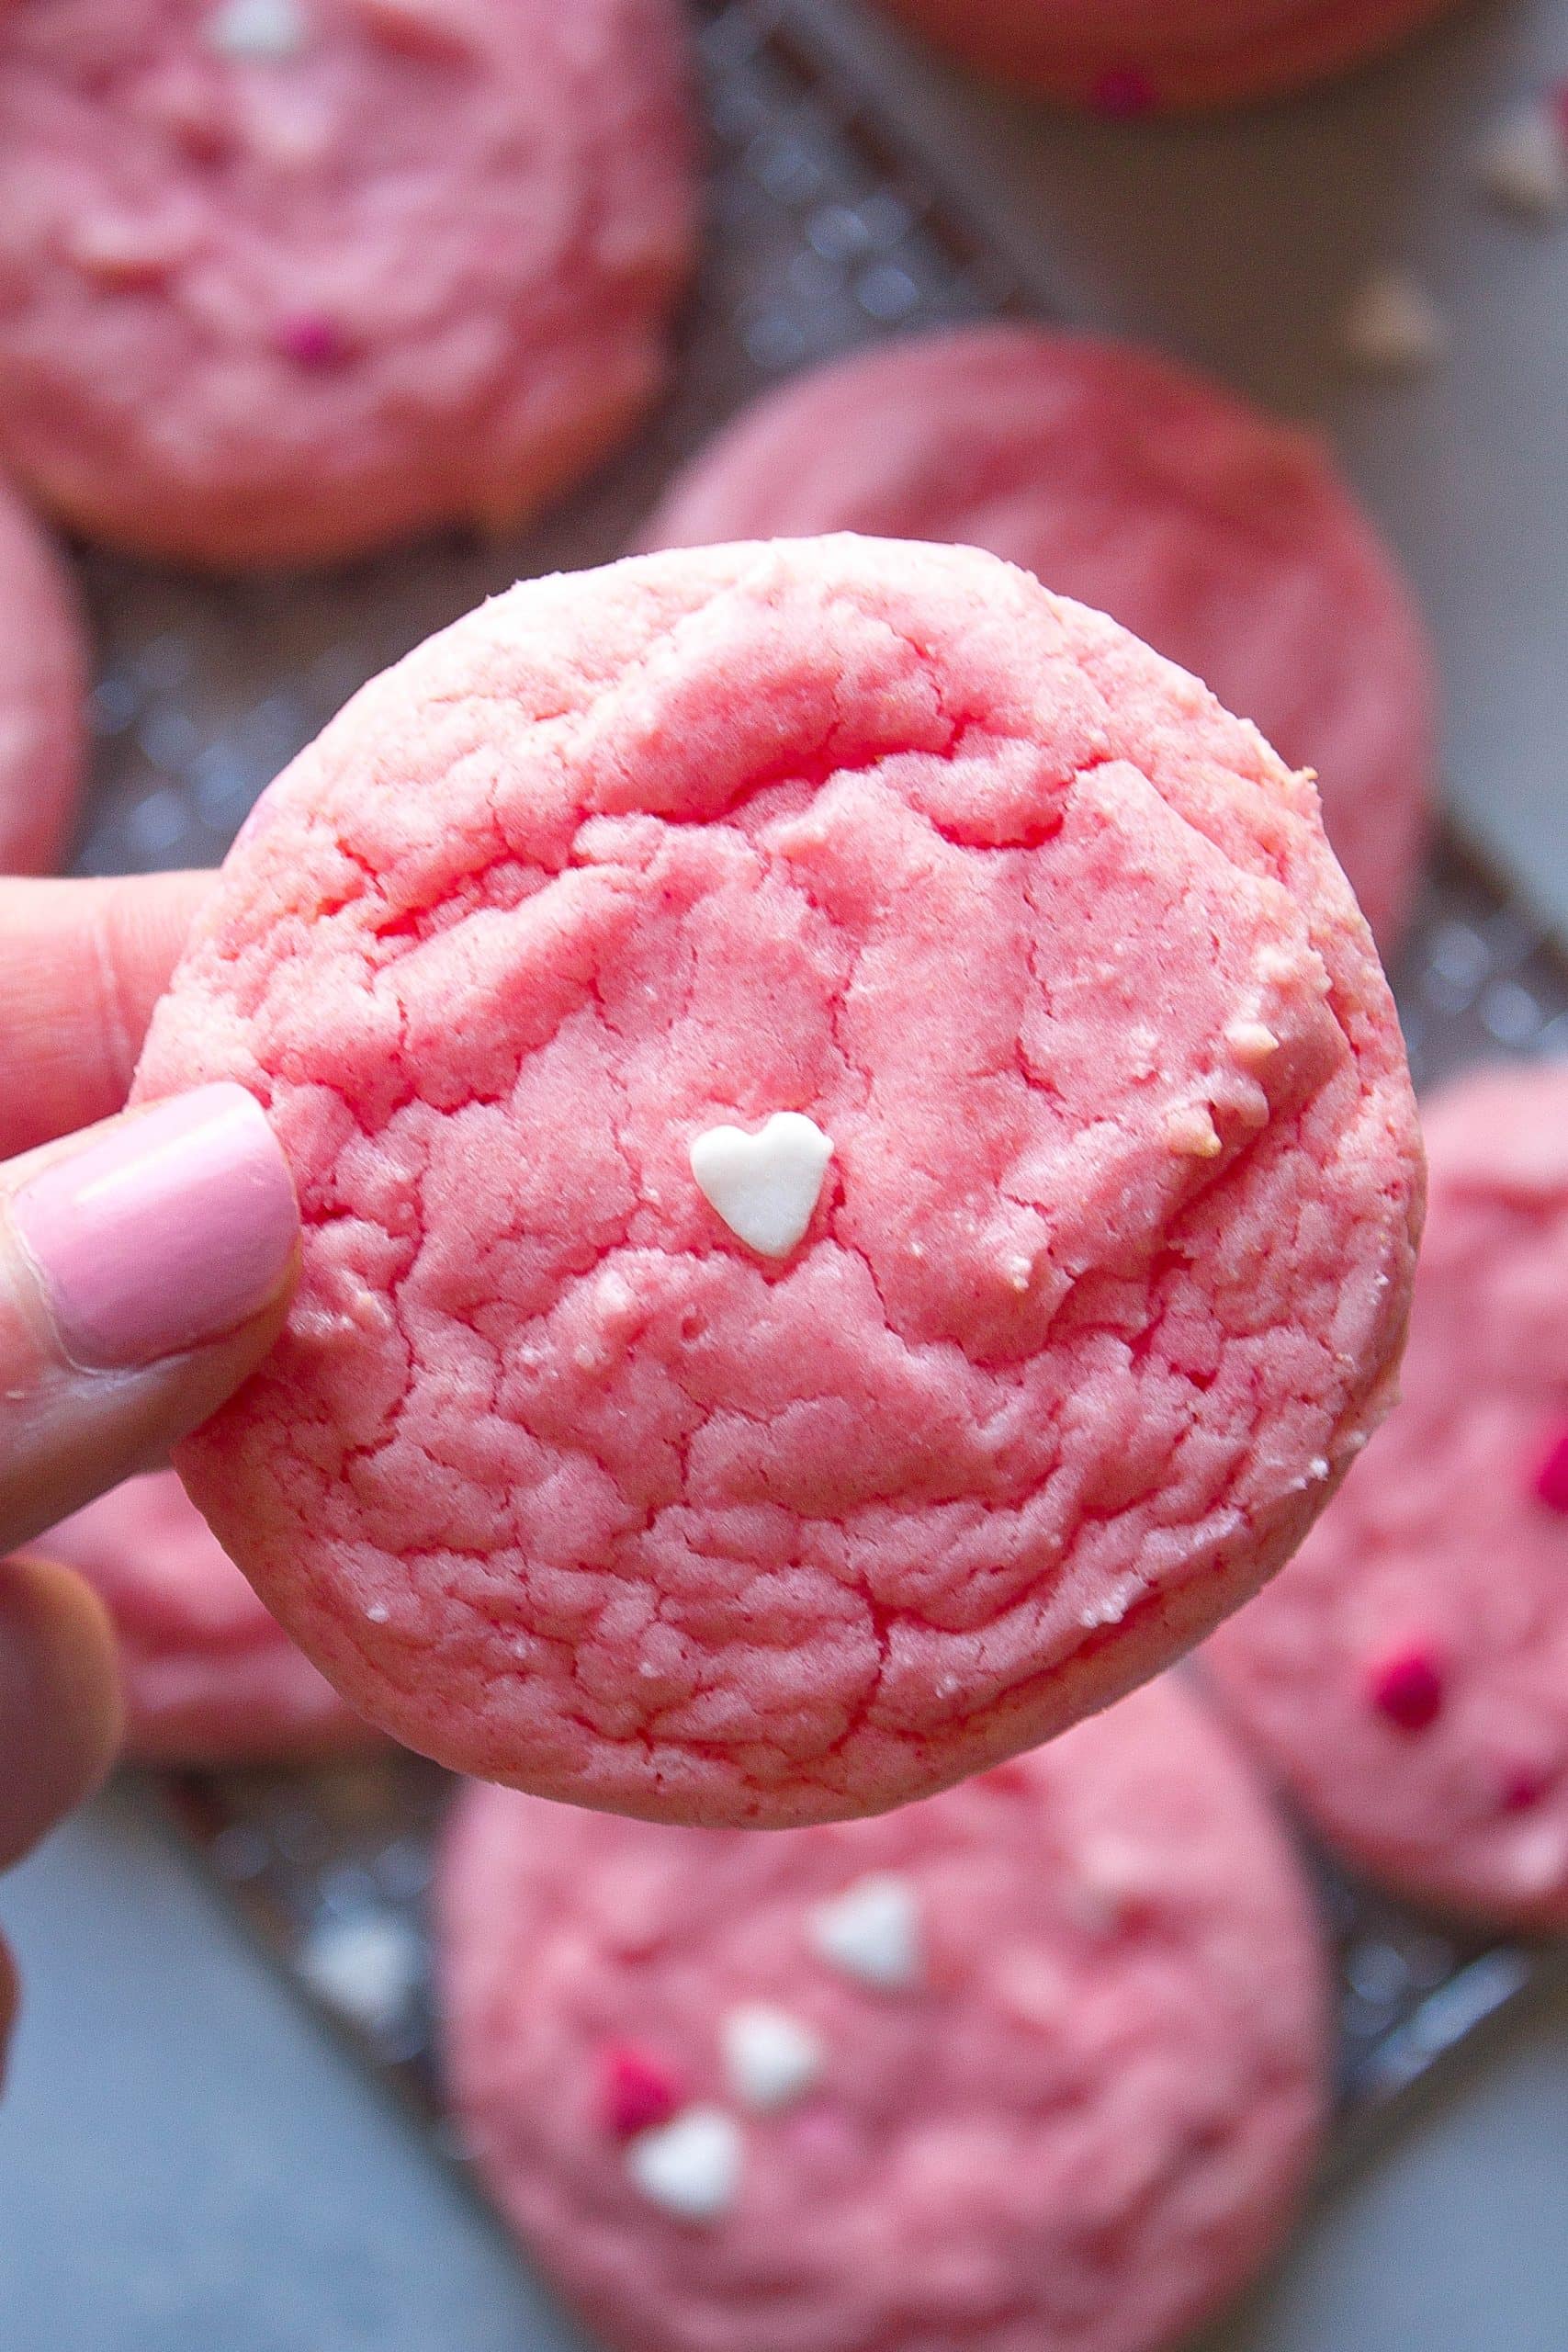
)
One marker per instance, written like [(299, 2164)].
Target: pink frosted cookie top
[(284, 279), (1225, 540), (1036, 2066), (556, 1474), (43, 665), (1409, 1674), (207, 1677)]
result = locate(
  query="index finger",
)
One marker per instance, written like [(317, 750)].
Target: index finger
[(81, 965)]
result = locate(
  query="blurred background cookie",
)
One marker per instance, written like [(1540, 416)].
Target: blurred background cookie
[(283, 280), (1407, 1675), (207, 1677), (1038, 2063)]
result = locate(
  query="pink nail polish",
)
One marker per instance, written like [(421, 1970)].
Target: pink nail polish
[(171, 1230)]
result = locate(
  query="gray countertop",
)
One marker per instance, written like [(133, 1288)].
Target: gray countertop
[(187, 2162)]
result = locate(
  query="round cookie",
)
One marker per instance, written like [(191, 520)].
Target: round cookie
[(1036, 2066), (206, 1676), (285, 280), (1222, 538), (1130, 58), (1407, 1675), (43, 679), (857, 1169)]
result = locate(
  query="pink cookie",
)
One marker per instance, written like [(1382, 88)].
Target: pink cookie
[(629, 1445), (1130, 58), (43, 666), (207, 1677), (1036, 2066), (1222, 538), (1407, 1677), (282, 280)]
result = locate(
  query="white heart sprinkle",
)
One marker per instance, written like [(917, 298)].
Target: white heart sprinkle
[(872, 1930), (769, 2056), (262, 29), (1523, 163), (1393, 327), (690, 2166), (764, 1187)]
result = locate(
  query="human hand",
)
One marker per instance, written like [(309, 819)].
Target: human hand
[(145, 1269)]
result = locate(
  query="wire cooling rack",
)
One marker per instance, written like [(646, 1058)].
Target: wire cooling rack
[(823, 232)]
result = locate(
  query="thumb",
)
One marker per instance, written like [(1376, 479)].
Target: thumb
[(145, 1268)]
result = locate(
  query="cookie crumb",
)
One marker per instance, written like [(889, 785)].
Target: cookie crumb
[(1191, 1132), (1252, 1042)]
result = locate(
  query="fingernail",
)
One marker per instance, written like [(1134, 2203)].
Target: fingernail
[(173, 1229)]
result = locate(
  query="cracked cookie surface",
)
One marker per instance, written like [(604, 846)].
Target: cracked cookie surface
[(551, 1472)]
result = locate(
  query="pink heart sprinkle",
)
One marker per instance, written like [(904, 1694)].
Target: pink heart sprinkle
[(637, 2094), (1551, 1477), (1123, 93), (311, 340), (1407, 1689)]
